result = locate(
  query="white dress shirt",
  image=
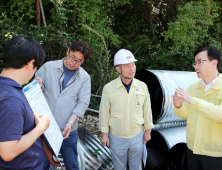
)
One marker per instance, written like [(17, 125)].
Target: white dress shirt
[(208, 87)]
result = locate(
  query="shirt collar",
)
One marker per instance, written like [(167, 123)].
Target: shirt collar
[(211, 83), (127, 84), (10, 82), (120, 84), (67, 70), (217, 83), (60, 66)]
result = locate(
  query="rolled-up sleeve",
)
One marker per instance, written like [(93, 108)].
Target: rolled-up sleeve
[(104, 112), (147, 112), (83, 98)]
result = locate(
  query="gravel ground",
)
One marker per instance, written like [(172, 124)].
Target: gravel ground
[(91, 123)]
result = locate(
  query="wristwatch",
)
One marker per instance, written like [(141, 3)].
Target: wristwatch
[(70, 122)]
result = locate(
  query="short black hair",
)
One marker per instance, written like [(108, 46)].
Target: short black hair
[(81, 47), (212, 52), (20, 50)]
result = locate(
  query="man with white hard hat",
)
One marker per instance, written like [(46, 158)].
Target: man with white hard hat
[(125, 108)]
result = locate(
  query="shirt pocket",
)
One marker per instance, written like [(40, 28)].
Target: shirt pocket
[(136, 122), (114, 100), (118, 103), (137, 103), (218, 136), (116, 113), (213, 138), (116, 123)]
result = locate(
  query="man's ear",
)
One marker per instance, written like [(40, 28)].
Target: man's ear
[(67, 51), (30, 64), (118, 69), (215, 63)]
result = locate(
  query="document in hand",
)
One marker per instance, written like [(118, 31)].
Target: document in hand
[(37, 101), (144, 154)]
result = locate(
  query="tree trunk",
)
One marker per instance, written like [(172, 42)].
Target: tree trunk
[(74, 17), (151, 13), (176, 5), (208, 7), (38, 13), (43, 15)]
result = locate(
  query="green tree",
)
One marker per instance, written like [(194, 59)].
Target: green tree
[(189, 30), (162, 34)]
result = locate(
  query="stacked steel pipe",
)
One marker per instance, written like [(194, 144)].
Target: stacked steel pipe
[(167, 147), (90, 144), (92, 155)]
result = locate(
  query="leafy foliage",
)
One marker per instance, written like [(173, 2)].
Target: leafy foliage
[(162, 34), (95, 152), (187, 32)]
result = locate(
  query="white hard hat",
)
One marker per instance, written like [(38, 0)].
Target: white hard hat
[(123, 57)]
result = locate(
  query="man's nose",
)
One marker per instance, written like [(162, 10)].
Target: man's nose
[(196, 66), (132, 68)]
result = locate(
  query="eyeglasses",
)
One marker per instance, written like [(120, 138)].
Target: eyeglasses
[(72, 59), (199, 62)]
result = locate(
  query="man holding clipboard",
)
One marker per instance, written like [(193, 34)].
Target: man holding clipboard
[(20, 144)]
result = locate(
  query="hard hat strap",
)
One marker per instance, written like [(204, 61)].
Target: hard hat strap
[(122, 73)]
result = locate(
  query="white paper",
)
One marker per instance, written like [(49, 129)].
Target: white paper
[(37, 102), (144, 154)]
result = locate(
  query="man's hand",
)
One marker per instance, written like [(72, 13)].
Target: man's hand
[(182, 94), (49, 153), (146, 136), (42, 122), (105, 139), (67, 130), (39, 81), (177, 101)]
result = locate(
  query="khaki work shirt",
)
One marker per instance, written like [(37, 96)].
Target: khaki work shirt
[(123, 112), (204, 119)]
